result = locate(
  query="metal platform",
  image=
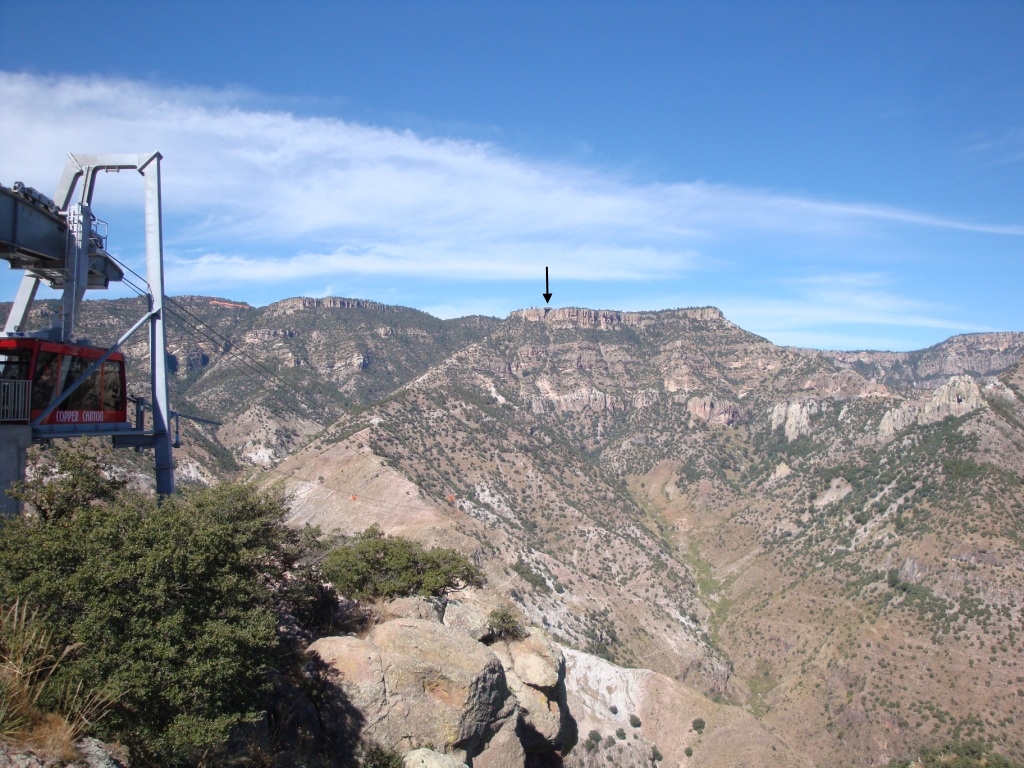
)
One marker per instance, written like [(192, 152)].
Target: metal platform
[(61, 243), (34, 238)]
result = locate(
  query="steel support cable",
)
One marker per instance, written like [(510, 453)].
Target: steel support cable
[(230, 358), (298, 398), (285, 393), (310, 403), (142, 294), (224, 340), (129, 269), (255, 374)]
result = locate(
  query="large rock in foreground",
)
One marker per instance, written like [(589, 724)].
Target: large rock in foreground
[(419, 683), (428, 758)]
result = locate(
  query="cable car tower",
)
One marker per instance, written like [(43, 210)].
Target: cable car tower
[(49, 386)]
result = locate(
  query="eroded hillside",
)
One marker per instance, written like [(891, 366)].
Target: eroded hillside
[(621, 464), (269, 378), (829, 541)]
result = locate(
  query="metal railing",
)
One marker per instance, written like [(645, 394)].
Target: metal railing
[(14, 400)]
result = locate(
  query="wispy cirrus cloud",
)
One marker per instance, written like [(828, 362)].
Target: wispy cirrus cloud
[(842, 311), (1006, 148), (268, 203), (256, 194)]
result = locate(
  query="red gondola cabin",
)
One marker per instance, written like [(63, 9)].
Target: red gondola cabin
[(50, 366)]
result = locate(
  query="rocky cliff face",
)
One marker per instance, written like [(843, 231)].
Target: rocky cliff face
[(976, 354), (957, 397), (783, 531), (576, 317), (431, 690)]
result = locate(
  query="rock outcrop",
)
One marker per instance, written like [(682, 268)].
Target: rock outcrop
[(505, 750), (444, 700), (428, 758), (299, 303), (92, 753), (957, 397), (713, 411), (535, 670), (794, 417), (577, 317), (468, 617), (419, 683), (978, 354), (634, 718), (589, 399)]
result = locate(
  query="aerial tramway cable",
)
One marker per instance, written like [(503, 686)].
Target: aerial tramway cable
[(218, 339), (230, 356), (221, 341)]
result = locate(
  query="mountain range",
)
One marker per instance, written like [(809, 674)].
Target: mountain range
[(826, 543)]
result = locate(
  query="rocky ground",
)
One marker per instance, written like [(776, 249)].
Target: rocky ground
[(430, 679)]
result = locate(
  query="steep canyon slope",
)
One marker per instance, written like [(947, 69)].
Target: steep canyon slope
[(853, 543), (830, 541)]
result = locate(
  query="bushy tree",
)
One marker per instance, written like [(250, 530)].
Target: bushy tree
[(374, 566), (504, 624), (173, 604), (61, 486)]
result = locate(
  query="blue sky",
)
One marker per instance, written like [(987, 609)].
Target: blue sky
[(836, 175)]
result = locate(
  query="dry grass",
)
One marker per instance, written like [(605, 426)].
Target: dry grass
[(29, 661)]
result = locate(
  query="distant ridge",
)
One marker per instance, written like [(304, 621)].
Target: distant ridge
[(603, 318), (299, 303)]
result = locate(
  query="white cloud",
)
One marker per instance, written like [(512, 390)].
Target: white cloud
[(257, 200), (841, 311), (266, 194)]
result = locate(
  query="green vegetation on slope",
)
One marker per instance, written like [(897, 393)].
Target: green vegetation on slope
[(372, 566), (172, 609), (958, 754)]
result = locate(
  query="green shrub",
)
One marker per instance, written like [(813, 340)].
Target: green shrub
[(173, 605), (621, 734), (529, 575), (958, 754), (72, 481), (374, 566), (698, 725), (688, 751), (634, 721), (504, 624), (376, 756)]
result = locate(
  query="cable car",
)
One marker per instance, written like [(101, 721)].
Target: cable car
[(49, 367)]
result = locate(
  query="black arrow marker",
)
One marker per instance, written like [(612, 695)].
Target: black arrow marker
[(547, 288)]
